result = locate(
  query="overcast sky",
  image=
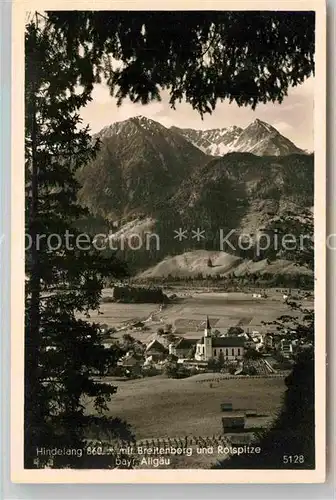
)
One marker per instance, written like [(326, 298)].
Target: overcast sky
[(293, 118)]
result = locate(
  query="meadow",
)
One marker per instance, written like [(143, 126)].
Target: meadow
[(158, 407), (188, 311)]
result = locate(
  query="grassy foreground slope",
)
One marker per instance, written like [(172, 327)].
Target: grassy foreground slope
[(158, 407)]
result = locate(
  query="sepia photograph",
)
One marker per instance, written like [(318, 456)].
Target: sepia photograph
[(170, 279)]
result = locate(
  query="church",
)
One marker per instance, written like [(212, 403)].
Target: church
[(232, 348)]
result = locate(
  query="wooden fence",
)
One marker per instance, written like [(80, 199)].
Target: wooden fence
[(231, 377), (166, 442)]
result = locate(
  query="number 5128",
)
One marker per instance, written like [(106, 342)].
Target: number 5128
[(293, 459)]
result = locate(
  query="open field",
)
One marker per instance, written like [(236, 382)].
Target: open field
[(157, 407), (187, 314)]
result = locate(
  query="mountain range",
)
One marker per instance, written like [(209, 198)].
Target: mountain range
[(258, 138), (147, 177)]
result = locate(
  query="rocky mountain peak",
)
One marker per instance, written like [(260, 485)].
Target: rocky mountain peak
[(259, 138), (264, 127)]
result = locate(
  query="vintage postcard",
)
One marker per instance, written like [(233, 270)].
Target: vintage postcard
[(168, 252)]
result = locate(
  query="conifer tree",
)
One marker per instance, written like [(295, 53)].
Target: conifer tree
[(64, 271)]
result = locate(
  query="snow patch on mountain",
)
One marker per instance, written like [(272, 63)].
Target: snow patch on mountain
[(215, 142), (259, 138)]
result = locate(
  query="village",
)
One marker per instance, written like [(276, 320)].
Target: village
[(198, 368), (173, 349), (236, 352)]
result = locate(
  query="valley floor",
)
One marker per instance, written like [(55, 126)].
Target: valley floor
[(189, 309)]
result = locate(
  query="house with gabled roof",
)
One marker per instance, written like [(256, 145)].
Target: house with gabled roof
[(182, 347), (156, 350)]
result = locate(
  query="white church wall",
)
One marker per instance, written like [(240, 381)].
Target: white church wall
[(229, 353)]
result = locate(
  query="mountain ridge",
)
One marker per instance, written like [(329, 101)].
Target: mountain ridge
[(145, 169), (149, 178), (259, 138), (136, 156)]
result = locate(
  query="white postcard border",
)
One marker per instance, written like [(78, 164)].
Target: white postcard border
[(18, 473)]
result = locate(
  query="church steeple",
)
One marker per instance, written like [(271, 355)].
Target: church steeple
[(207, 330), (207, 340)]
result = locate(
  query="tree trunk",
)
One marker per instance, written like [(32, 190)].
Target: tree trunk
[(32, 333)]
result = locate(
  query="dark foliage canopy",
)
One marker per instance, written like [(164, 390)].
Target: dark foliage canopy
[(200, 57)]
